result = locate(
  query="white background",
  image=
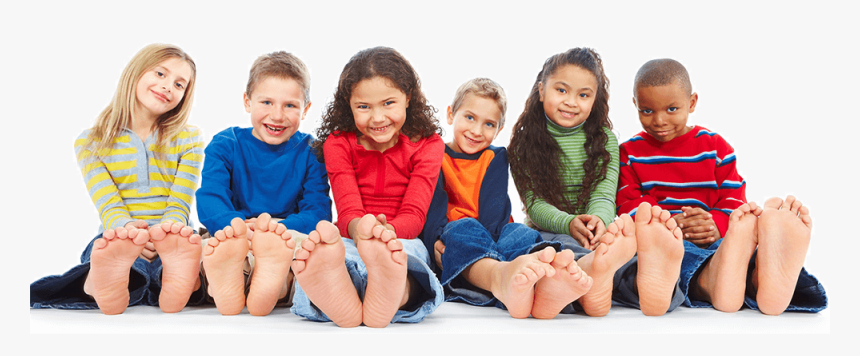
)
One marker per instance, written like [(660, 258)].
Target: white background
[(777, 80)]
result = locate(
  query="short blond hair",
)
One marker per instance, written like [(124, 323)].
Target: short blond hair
[(280, 65), (484, 88)]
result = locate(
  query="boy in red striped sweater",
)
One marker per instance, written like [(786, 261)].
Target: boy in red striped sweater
[(736, 253)]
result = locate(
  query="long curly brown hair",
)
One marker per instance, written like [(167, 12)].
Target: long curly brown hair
[(377, 62), (535, 157)]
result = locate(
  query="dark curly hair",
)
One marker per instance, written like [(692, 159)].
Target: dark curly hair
[(377, 62), (535, 157)]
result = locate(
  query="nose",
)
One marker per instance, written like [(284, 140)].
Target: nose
[(659, 120), (277, 114), (377, 115), (570, 101)]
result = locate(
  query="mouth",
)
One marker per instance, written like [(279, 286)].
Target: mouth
[(567, 114), (160, 96), (274, 130), (471, 141), (380, 129)]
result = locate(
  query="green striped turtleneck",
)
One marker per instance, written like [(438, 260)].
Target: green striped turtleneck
[(602, 199)]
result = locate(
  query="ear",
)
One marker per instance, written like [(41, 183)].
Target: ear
[(450, 116), (694, 99), (408, 100), (305, 111), (540, 90), (634, 103), (247, 100)]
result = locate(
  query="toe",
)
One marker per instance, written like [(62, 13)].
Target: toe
[(773, 203)]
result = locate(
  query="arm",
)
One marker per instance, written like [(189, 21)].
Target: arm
[(493, 202), (103, 191), (601, 203), (314, 203), (190, 144), (426, 165), (731, 186), (436, 220), (344, 185), (214, 198), (630, 193)]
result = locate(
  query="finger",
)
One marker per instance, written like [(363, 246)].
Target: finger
[(699, 235), (149, 246)]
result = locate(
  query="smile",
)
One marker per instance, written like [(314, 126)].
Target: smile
[(568, 115), (471, 141), (160, 96), (274, 130), (379, 129)]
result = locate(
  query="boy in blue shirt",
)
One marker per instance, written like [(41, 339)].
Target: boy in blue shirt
[(262, 190)]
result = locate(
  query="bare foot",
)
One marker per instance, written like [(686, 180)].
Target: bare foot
[(660, 246), (321, 272), (723, 280), (784, 231), (617, 246), (223, 259), (273, 253), (179, 249), (567, 284), (110, 263), (385, 260)]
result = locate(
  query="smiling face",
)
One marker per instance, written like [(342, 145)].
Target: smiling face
[(663, 110), (277, 106), (161, 88), (476, 123), (379, 110), (568, 95)]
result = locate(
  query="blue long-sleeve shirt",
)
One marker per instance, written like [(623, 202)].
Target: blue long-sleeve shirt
[(244, 177)]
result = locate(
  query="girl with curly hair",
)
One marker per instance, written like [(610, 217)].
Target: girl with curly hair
[(383, 155)]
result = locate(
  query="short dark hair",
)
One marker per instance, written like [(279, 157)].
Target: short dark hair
[(660, 72)]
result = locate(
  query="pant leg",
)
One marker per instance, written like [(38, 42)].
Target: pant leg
[(467, 241), (66, 291), (428, 299), (809, 294)]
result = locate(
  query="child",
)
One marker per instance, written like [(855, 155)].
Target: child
[(140, 162), (262, 180), (490, 259), (383, 155), (691, 171), (564, 162)]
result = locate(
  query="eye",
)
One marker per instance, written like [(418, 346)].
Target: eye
[(362, 106), (583, 95), (180, 86), (266, 102), (389, 102), (561, 90), (290, 106), (672, 109), (158, 73), (491, 125), (470, 118), (646, 111)]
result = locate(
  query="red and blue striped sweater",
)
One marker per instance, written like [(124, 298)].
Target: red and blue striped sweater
[(697, 169)]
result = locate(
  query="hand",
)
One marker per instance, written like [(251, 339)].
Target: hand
[(383, 221), (439, 249), (587, 230), (251, 223), (697, 225), (148, 252)]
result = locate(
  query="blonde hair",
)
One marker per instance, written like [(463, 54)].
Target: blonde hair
[(484, 88), (281, 65), (119, 113)]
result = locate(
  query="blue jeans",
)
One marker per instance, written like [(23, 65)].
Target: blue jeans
[(66, 291), (809, 295), (467, 241), (624, 290), (417, 266)]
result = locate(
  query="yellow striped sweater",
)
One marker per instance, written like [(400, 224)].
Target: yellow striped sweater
[(130, 182)]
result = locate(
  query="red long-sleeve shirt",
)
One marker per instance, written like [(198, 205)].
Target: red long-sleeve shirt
[(398, 182), (696, 169)]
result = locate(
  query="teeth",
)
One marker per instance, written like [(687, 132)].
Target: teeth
[(275, 129)]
